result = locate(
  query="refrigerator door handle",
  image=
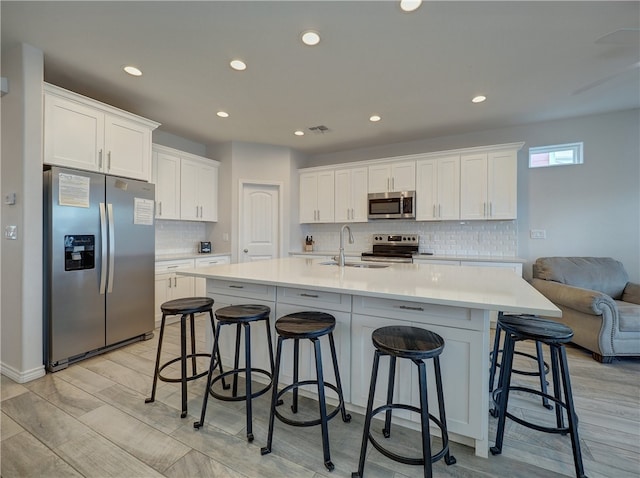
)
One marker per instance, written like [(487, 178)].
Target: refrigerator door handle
[(112, 253), (103, 248)]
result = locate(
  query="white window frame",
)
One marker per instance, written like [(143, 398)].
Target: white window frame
[(576, 148)]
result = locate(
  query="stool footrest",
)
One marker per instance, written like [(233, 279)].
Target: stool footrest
[(405, 459), (308, 423), (178, 359), (237, 398)]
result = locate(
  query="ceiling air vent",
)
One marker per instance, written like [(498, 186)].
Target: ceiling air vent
[(320, 129)]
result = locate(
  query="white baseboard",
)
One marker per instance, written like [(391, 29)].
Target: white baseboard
[(22, 376)]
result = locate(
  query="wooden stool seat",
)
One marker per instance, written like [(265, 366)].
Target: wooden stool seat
[(305, 325), (408, 342)]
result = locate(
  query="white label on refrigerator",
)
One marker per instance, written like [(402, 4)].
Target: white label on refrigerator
[(143, 211), (73, 190)]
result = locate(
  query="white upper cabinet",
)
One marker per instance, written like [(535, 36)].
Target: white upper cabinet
[(85, 134), (488, 185), (317, 196), (392, 176), (438, 189), (198, 190), (351, 195), (166, 176), (186, 185)]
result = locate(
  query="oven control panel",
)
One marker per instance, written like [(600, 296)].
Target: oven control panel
[(399, 239)]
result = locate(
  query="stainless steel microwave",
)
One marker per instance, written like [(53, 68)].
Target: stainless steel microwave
[(395, 205)]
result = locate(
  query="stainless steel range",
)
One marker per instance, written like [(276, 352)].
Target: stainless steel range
[(393, 248)]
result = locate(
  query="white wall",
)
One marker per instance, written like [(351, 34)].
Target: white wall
[(587, 210), (22, 113)]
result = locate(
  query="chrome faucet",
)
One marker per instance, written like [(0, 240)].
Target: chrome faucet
[(351, 241)]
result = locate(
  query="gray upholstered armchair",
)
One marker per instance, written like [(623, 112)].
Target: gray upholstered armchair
[(597, 301)]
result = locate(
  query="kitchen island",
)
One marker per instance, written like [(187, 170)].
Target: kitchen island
[(453, 302)]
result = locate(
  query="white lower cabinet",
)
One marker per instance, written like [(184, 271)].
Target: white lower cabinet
[(226, 293), (171, 286), (460, 367), (201, 262), (339, 305)]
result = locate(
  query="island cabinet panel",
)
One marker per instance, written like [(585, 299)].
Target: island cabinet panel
[(461, 361), (307, 364), (226, 293)]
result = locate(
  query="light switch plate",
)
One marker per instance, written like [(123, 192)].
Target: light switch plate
[(538, 234)]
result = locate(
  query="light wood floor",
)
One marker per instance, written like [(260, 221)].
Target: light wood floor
[(91, 420)]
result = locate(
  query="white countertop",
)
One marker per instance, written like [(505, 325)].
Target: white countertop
[(487, 288), (189, 255)]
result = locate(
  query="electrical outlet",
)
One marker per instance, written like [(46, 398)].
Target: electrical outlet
[(538, 234), (11, 232)]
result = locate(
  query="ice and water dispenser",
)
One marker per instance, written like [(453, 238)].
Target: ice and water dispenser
[(79, 252)]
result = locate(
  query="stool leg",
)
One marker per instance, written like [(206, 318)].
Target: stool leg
[(212, 366), (386, 431), (270, 342), (557, 390), (296, 355), (334, 358), (247, 379), (367, 416), (183, 363), (236, 362), (424, 419), (448, 459), (323, 406), (155, 374), (225, 386), (504, 382), (193, 344), (571, 412), (543, 379), (494, 354), (274, 398)]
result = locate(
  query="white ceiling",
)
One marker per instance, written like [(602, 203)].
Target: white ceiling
[(418, 71)]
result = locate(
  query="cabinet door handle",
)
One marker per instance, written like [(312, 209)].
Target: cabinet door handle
[(434, 210), (169, 282), (160, 208), (484, 209), (440, 210), (490, 209), (172, 267), (393, 184), (237, 286), (318, 214), (109, 161), (100, 159), (201, 213), (407, 307), (313, 296), (388, 184), (196, 211), (175, 282)]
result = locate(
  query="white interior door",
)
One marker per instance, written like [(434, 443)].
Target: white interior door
[(259, 222)]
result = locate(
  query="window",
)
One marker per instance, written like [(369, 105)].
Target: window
[(555, 155)]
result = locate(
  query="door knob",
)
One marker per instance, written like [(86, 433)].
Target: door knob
[(246, 250)]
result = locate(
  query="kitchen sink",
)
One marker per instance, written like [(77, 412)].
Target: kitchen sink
[(361, 265)]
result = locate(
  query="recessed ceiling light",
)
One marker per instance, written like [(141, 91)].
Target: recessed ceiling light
[(410, 5), (299, 133), (132, 70), (223, 114), (238, 65), (374, 118), (310, 38), (478, 99)]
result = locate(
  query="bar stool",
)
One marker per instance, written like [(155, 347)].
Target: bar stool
[(241, 316), (415, 344), (555, 335), (543, 367), (309, 325), (185, 307)]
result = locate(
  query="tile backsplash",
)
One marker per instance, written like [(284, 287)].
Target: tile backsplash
[(179, 237), (463, 238)]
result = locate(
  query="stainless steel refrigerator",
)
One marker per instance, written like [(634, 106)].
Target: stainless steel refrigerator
[(99, 249)]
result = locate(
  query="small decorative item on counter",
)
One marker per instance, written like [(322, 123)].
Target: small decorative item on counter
[(308, 244), (204, 247)]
